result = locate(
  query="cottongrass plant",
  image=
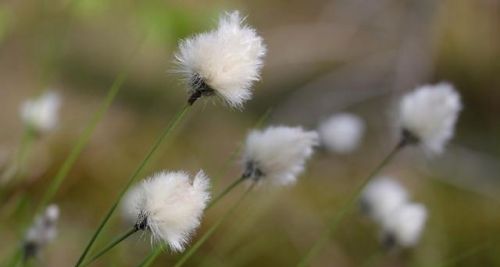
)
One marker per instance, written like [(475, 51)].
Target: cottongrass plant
[(341, 133), (426, 118), (41, 233), (224, 62), (169, 205), (401, 222)]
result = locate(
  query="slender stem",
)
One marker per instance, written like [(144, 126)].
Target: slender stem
[(323, 240), (212, 229), (151, 257), (112, 244), (166, 132), (225, 192)]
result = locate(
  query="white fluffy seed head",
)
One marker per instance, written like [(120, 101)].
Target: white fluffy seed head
[(41, 114), (382, 197), (429, 114), (42, 232), (341, 133), (277, 155), (228, 60), (406, 225), (171, 205)]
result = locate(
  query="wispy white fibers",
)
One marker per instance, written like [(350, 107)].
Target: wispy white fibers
[(277, 154), (341, 133), (429, 114), (42, 232), (405, 226), (382, 197), (130, 204), (225, 62), (41, 114), (170, 205)]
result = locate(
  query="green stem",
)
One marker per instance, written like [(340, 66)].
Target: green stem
[(151, 257), (132, 179), (84, 138), (112, 244), (323, 240), (225, 192), (212, 229)]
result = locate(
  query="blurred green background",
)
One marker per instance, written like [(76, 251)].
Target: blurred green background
[(324, 56)]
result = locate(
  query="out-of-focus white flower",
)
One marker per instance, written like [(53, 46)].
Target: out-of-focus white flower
[(405, 226), (42, 232), (41, 114), (277, 154), (382, 197), (428, 115), (225, 62), (170, 205), (341, 133)]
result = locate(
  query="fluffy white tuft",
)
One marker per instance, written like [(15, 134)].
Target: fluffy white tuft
[(429, 114), (42, 232), (171, 205), (41, 114), (130, 208), (278, 154), (228, 59), (341, 133), (406, 224), (382, 197)]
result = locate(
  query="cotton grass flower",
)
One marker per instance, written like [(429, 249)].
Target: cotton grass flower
[(428, 115), (42, 232), (341, 133), (382, 197), (405, 226), (223, 62), (41, 114), (277, 154), (170, 206)]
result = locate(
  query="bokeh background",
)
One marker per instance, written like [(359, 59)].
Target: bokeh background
[(325, 56)]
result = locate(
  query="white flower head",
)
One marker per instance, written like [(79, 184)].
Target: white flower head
[(42, 232), (277, 154), (341, 133), (41, 114), (428, 115), (223, 62), (405, 226), (170, 205), (382, 197)]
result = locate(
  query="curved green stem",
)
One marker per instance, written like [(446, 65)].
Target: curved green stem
[(323, 240), (177, 118), (112, 244), (225, 192)]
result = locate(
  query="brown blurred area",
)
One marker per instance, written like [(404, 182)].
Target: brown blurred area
[(324, 56)]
